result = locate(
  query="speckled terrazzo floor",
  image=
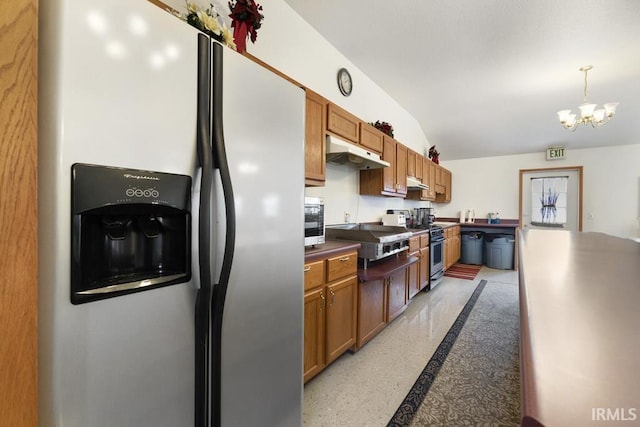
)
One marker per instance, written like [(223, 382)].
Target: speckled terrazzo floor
[(366, 388)]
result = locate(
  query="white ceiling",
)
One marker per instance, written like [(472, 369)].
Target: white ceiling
[(486, 77)]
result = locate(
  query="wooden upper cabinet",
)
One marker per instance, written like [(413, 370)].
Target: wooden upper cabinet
[(411, 163), (428, 178), (314, 139), (431, 192), (343, 123), (401, 169), (390, 181), (371, 138), (444, 188), (389, 174), (419, 166)]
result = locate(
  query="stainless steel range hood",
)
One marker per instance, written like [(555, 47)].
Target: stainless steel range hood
[(342, 152), (415, 184)]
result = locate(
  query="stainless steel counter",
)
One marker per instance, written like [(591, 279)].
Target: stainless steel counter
[(580, 328)]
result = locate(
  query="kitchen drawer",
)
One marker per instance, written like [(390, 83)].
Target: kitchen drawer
[(341, 266), (424, 240), (313, 274), (414, 244)]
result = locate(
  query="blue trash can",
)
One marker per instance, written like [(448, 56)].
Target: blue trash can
[(498, 251), (471, 251)]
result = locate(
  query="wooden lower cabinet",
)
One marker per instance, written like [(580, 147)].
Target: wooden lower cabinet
[(313, 333), (397, 293), (413, 279), (340, 320), (419, 272), (379, 302), (330, 311), (372, 310), (425, 266), (451, 246)]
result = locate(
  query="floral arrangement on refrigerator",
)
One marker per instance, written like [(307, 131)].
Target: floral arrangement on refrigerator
[(246, 19)]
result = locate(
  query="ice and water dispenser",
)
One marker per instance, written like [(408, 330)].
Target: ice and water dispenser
[(131, 231)]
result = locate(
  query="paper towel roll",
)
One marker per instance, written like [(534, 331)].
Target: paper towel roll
[(461, 217)]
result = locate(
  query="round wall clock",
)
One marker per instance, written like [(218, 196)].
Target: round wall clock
[(345, 84)]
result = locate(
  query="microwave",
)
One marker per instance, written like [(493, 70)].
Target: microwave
[(313, 221)]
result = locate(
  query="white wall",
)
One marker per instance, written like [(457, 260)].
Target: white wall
[(611, 186), (341, 194)]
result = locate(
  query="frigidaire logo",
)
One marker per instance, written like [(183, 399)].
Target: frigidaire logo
[(613, 414), (152, 178)]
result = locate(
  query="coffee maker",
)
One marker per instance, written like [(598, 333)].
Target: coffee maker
[(423, 217)]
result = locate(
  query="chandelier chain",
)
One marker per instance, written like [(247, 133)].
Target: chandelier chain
[(585, 85)]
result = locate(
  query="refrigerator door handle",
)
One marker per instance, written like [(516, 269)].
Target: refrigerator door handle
[(204, 296), (220, 289)]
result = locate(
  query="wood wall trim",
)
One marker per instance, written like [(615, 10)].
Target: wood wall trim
[(18, 212)]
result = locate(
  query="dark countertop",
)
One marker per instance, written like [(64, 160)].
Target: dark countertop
[(579, 326), (510, 224), (384, 268), (328, 249)]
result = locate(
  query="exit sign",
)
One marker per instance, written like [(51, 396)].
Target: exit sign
[(555, 153)]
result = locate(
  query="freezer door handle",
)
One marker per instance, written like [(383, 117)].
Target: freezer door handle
[(205, 292)]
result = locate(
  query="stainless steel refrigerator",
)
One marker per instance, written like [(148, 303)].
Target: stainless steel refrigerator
[(162, 304)]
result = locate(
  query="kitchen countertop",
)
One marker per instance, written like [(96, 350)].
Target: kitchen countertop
[(328, 249), (579, 327), (385, 267), (375, 271), (480, 223)]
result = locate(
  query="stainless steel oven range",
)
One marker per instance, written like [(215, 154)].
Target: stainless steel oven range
[(436, 252)]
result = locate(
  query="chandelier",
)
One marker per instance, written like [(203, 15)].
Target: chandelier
[(588, 112)]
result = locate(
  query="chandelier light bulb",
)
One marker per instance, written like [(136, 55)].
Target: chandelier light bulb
[(588, 112)]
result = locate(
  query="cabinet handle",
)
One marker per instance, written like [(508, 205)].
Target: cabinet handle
[(307, 269), (333, 297), (324, 301), (344, 259)]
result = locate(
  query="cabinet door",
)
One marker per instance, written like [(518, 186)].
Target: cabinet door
[(341, 317), (447, 185), (401, 169), (314, 140), (446, 251), (389, 174), (396, 294), (314, 302), (411, 163), (343, 123), (419, 166), (371, 310), (431, 192), (371, 138), (414, 279), (424, 267)]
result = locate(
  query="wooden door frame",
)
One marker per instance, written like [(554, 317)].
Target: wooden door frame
[(18, 213), (579, 169)]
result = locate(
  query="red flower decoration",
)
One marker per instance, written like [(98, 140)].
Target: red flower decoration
[(384, 127), (246, 19)]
